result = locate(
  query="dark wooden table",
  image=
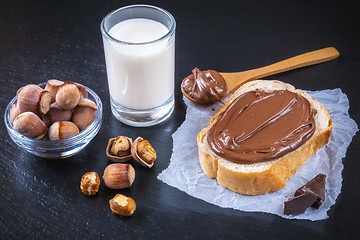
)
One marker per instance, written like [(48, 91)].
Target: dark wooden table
[(40, 40)]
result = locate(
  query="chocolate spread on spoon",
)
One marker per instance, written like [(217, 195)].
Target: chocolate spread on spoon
[(204, 86), (258, 126)]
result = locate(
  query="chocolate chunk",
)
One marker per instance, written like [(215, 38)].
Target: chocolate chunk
[(300, 203), (317, 186)]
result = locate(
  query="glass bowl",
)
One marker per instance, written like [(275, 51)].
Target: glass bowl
[(61, 148)]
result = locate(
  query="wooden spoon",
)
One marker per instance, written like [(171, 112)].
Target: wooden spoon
[(236, 79)]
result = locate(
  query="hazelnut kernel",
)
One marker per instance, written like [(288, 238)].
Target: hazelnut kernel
[(122, 205), (143, 152), (121, 146), (146, 151), (112, 155), (90, 183)]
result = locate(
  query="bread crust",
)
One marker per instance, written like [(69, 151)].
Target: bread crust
[(262, 178)]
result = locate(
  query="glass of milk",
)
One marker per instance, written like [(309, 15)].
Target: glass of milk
[(139, 46)]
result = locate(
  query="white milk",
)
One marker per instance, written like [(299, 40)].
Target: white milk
[(140, 76)]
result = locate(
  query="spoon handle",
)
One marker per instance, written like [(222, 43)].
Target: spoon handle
[(234, 80)]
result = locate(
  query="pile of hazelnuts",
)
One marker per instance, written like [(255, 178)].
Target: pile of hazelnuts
[(59, 111)]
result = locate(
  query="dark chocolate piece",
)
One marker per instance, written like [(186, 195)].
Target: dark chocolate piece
[(298, 205), (317, 186)]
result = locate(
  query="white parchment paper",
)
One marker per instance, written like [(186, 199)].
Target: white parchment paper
[(184, 171)]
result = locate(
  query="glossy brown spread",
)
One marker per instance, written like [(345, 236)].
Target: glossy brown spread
[(204, 86), (258, 126)]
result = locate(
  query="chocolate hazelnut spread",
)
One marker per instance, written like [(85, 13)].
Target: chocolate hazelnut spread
[(205, 86), (259, 126)]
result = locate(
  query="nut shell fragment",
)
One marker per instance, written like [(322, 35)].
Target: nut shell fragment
[(122, 205), (90, 183), (121, 154), (143, 152)]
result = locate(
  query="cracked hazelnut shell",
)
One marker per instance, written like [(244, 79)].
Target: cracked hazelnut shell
[(143, 152), (115, 157)]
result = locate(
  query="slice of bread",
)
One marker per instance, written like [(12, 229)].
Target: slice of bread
[(269, 176)]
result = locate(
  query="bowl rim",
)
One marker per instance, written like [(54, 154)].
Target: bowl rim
[(57, 144)]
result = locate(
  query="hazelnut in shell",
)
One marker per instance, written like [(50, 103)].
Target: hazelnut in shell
[(119, 175), (57, 114), (119, 149), (18, 91), (14, 112), (84, 113), (30, 125), (32, 98), (82, 89), (67, 96), (52, 86), (62, 130), (143, 152)]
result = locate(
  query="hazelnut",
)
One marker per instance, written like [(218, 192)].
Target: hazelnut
[(82, 89), (119, 175), (14, 112), (52, 87), (67, 96), (57, 114), (62, 130), (119, 149), (121, 146), (32, 98), (122, 205), (18, 91), (90, 183), (30, 125), (143, 152), (84, 113)]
